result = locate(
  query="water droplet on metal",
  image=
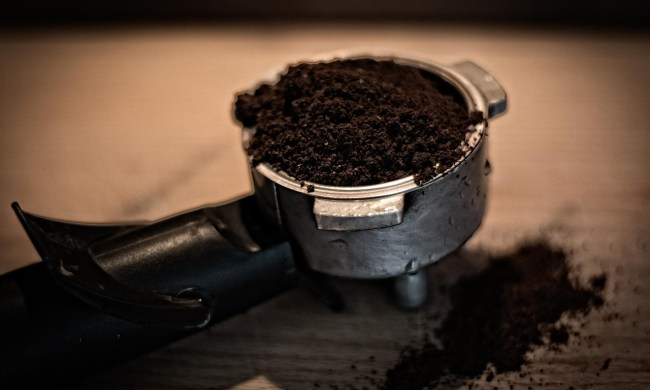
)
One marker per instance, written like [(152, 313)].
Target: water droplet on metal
[(488, 168), (339, 244), (412, 267)]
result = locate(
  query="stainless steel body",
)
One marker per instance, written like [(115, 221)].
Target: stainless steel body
[(437, 219), (396, 228)]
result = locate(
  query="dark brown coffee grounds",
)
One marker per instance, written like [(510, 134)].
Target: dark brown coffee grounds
[(498, 316), (356, 122)]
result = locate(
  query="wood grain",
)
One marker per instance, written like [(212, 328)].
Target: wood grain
[(134, 123)]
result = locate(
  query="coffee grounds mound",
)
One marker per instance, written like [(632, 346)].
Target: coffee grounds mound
[(357, 122), (498, 316)]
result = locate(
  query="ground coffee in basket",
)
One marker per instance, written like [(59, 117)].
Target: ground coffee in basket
[(357, 122)]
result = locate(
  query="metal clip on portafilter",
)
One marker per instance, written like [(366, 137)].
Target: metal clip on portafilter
[(112, 292)]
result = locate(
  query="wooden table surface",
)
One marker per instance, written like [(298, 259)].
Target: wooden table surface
[(134, 123)]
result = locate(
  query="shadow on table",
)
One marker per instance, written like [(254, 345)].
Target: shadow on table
[(296, 342)]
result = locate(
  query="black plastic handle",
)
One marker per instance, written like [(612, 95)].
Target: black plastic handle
[(57, 329), (136, 272)]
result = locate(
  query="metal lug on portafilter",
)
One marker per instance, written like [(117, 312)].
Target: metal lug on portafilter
[(411, 289)]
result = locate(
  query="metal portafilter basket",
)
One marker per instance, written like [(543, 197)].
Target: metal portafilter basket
[(104, 293)]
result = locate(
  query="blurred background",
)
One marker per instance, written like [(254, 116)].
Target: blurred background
[(121, 111), (625, 12)]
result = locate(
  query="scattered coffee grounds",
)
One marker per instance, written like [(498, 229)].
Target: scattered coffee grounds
[(498, 316), (357, 122)]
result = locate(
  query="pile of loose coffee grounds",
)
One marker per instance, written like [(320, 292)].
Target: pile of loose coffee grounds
[(497, 316), (357, 122)]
